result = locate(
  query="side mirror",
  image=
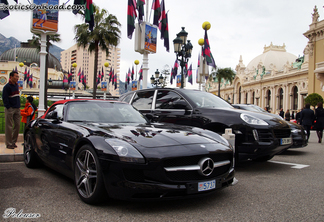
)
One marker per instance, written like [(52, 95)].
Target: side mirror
[(180, 104), (52, 115)]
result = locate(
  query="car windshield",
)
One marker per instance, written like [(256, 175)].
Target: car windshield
[(205, 99), (103, 112), (259, 109)]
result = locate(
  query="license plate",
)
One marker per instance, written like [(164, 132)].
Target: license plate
[(208, 185), (285, 141)]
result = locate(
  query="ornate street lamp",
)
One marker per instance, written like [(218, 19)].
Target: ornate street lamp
[(158, 79), (182, 50)]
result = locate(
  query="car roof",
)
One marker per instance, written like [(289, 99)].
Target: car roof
[(73, 100)]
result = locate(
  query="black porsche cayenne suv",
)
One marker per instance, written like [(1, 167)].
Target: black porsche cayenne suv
[(257, 136)]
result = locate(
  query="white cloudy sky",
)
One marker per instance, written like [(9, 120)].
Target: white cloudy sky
[(238, 27)]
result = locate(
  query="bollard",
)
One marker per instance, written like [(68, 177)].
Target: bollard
[(230, 137)]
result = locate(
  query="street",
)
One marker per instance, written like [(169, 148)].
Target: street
[(290, 187)]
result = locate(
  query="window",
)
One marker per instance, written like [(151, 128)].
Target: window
[(165, 100), (59, 109), (143, 100), (127, 98)]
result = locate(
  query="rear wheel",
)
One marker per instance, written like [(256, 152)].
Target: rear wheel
[(30, 156), (88, 176)]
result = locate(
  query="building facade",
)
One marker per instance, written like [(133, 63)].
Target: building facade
[(85, 63), (277, 79)]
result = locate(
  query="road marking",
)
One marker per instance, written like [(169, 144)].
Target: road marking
[(294, 165)]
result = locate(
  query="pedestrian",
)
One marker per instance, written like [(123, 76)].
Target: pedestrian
[(319, 116), (307, 119), (28, 113), (281, 113), (293, 115), (287, 115), (11, 102), (298, 117)]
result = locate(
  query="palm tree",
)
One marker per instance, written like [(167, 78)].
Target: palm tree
[(105, 33), (218, 74)]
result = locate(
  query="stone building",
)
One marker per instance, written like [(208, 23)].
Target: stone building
[(277, 79)]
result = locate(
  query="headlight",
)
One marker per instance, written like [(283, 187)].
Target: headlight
[(295, 130), (252, 120), (125, 151)]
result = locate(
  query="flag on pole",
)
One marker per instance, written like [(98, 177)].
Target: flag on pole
[(99, 77), (126, 82), (157, 12), (70, 76), (84, 82), (88, 13), (133, 72), (190, 74), (31, 81), (140, 74), (28, 75), (175, 69), (4, 13), (131, 16), (164, 27), (65, 81), (207, 53), (115, 80), (171, 77), (140, 8), (102, 73), (25, 74)]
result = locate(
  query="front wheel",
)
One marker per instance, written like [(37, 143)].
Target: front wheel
[(88, 177), (30, 156)]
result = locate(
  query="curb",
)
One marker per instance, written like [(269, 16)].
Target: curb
[(12, 157)]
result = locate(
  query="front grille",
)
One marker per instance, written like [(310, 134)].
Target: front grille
[(194, 175), (265, 136), (281, 133), (193, 160)]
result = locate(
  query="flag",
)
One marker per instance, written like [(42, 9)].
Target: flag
[(113, 77), (133, 73), (70, 76), (102, 73), (88, 13), (164, 27), (16, 70), (128, 76), (25, 74), (175, 69), (126, 81), (110, 74), (140, 8), (197, 75), (131, 16), (65, 81), (31, 81), (190, 74), (207, 53), (157, 12), (84, 82), (140, 74), (186, 70), (99, 77), (81, 77), (199, 60), (4, 13), (115, 80), (171, 77), (28, 73)]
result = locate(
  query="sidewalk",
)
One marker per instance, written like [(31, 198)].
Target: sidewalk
[(11, 155)]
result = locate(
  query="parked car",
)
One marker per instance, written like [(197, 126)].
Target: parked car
[(299, 134), (110, 149), (257, 136)]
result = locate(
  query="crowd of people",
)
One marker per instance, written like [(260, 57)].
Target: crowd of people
[(308, 119)]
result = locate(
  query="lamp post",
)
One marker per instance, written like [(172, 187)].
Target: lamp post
[(158, 79), (182, 50)]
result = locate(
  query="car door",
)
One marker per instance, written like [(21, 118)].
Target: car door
[(143, 101), (170, 107)]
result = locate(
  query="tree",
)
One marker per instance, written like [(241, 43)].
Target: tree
[(105, 33), (218, 74), (313, 99)]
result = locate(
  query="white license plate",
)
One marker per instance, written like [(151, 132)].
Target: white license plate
[(208, 185), (285, 141)]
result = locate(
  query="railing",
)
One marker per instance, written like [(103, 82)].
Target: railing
[(3, 124)]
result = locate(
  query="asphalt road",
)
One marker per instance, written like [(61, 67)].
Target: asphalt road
[(292, 190)]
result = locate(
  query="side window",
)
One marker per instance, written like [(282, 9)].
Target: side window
[(127, 98), (169, 100), (143, 100), (59, 109)]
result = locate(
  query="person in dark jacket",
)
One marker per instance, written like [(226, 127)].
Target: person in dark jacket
[(298, 117), (319, 116), (287, 115), (307, 117), (11, 102), (281, 113)]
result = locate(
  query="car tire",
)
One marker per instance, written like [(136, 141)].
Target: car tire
[(88, 177), (264, 158), (30, 156)]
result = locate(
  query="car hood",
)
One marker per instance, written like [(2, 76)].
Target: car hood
[(155, 135)]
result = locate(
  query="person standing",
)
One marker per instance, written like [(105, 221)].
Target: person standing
[(28, 113), (287, 115), (11, 102), (319, 116), (281, 113), (298, 117), (307, 119)]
